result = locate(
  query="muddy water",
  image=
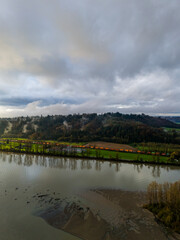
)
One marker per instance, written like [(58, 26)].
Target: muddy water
[(35, 188)]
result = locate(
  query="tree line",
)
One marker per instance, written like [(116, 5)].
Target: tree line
[(111, 127), (164, 201)]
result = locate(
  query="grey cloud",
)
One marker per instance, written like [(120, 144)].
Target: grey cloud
[(126, 37), (11, 101), (24, 101), (76, 52), (96, 105)]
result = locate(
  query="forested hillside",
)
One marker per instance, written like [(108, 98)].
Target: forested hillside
[(112, 127), (173, 119)]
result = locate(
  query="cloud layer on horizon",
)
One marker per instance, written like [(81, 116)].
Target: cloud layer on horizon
[(60, 57)]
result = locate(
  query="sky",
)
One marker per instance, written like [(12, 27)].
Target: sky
[(84, 56)]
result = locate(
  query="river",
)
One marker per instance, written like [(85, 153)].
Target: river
[(26, 179)]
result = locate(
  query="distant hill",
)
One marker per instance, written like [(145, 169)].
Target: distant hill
[(110, 127), (173, 119)]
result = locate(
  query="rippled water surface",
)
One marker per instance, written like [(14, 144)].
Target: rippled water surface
[(29, 184)]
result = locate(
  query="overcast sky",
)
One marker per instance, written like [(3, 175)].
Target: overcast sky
[(76, 56)]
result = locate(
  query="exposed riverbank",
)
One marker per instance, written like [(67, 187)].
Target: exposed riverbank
[(32, 185), (109, 215)]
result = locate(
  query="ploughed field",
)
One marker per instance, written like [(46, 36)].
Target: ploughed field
[(108, 145)]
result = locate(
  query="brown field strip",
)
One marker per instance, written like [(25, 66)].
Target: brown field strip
[(110, 146)]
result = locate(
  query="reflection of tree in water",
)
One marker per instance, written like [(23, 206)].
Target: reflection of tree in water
[(9, 158), (86, 164), (167, 168), (156, 171), (36, 160), (98, 165), (57, 163), (138, 167), (72, 164), (62, 163), (82, 164), (89, 165), (17, 159), (4, 157), (117, 167), (42, 161), (28, 161)]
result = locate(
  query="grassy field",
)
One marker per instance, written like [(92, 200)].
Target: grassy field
[(47, 141), (72, 150), (126, 156), (158, 147), (172, 129)]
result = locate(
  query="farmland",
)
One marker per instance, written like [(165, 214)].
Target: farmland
[(157, 147), (99, 150)]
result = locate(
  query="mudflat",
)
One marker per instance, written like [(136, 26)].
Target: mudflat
[(109, 215)]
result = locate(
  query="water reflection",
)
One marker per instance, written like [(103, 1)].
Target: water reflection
[(25, 179), (98, 166), (156, 172), (138, 167), (77, 164)]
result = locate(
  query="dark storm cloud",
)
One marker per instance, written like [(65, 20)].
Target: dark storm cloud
[(104, 55)]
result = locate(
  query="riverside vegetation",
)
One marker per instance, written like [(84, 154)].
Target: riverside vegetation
[(63, 135), (83, 150), (164, 202)]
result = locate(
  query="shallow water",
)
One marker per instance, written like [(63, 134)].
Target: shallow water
[(23, 178)]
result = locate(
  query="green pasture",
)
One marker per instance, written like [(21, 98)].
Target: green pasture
[(125, 156), (157, 147), (52, 149), (172, 129)]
